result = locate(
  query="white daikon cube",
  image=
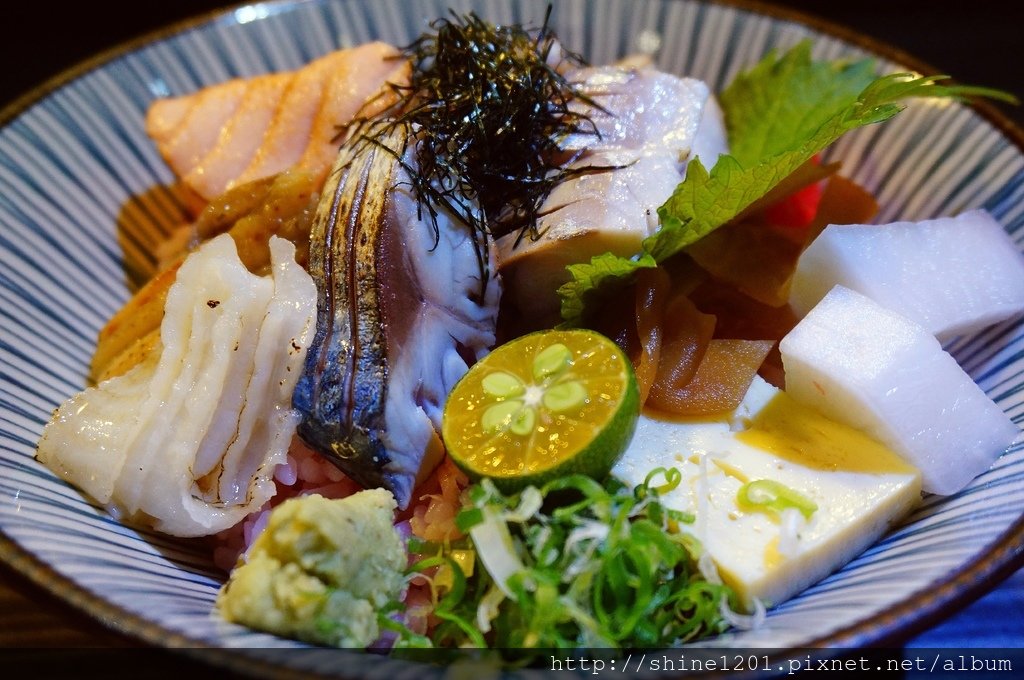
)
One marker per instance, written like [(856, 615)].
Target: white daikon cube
[(876, 370), (952, 275)]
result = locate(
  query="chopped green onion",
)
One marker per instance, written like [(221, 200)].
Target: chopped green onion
[(673, 476), (468, 518), (496, 550), (771, 497), (575, 564)]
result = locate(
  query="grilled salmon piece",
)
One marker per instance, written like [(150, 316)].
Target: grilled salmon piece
[(290, 131)]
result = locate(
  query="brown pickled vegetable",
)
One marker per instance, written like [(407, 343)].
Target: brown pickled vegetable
[(652, 288), (721, 379), (759, 259), (701, 325)]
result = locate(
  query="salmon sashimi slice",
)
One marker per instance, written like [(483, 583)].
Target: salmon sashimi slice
[(240, 138), (289, 133), (165, 115), (247, 129), (199, 129), (347, 90)]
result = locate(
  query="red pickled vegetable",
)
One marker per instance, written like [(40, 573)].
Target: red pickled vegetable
[(797, 210)]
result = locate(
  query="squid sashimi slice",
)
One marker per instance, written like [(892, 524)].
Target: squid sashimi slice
[(82, 444), (861, 364), (187, 442), (952, 275)]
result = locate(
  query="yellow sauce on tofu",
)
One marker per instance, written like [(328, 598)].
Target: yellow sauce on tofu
[(731, 470), (772, 557), (803, 436), (732, 580)]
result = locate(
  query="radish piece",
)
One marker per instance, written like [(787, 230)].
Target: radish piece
[(864, 365), (952, 275)]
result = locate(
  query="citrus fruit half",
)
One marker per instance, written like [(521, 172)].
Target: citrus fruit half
[(545, 405)]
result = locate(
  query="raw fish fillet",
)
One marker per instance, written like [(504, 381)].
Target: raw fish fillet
[(187, 442), (248, 129), (653, 123), (399, 317)]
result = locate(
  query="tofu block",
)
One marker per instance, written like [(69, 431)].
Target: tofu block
[(877, 371), (860, 488), (953, 275)]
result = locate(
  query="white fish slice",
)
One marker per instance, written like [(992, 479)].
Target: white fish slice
[(653, 124)]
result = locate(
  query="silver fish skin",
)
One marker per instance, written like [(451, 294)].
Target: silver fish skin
[(399, 319)]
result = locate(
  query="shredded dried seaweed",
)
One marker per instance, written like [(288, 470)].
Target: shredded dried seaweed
[(488, 107)]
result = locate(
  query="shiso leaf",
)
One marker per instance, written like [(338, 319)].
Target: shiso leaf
[(586, 278), (779, 115)]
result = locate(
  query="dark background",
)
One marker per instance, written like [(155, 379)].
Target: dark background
[(975, 42)]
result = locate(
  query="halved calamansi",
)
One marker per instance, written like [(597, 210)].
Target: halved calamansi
[(544, 405)]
